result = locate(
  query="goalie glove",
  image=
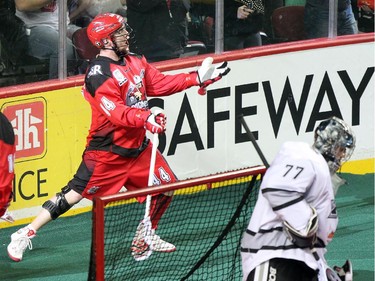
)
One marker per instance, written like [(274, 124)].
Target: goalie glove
[(209, 73), (345, 272), (303, 238), (156, 123)]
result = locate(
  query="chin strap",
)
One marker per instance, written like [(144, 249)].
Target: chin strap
[(115, 49)]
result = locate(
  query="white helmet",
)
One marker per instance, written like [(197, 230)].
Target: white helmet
[(335, 140)]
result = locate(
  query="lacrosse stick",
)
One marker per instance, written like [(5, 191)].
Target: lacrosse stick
[(146, 225), (253, 140)]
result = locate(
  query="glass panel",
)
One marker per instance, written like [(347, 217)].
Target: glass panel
[(30, 42), (251, 23), (166, 30)]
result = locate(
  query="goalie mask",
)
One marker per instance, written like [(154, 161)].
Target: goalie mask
[(335, 140), (111, 27)]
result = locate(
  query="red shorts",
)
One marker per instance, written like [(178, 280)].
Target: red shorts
[(105, 173)]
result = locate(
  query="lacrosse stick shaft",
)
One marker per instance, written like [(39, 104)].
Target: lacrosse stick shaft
[(155, 143), (253, 140)]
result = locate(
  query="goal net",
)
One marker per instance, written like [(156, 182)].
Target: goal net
[(205, 221)]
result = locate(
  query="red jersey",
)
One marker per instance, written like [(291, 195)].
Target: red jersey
[(7, 151), (117, 92)]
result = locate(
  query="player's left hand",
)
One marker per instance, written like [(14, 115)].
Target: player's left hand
[(209, 73), (156, 123)]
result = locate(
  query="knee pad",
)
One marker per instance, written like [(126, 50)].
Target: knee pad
[(61, 206)]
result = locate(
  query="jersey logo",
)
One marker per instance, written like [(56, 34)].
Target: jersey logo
[(138, 81), (121, 79), (95, 70), (273, 274)]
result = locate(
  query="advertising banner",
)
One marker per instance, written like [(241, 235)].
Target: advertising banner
[(281, 97)]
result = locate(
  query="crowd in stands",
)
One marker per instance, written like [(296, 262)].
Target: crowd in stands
[(161, 29)]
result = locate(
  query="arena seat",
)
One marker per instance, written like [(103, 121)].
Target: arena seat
[(288, 24), (84, 48)]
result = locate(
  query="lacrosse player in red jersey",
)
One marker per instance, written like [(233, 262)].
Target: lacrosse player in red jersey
[(295, 215), (7, 151), (117, 152)]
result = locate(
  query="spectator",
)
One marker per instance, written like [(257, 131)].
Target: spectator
[(365, 12), (117, 151), (8, 149), (242, 25), (41, 20), (160, 27), (317, 17), (78, 12), (295, 214), (12, 32), (107, 6), (82, 12)]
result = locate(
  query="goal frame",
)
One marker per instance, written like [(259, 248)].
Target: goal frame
[(99, 204)]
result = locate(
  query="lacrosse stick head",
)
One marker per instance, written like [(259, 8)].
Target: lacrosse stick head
[(141, 244)]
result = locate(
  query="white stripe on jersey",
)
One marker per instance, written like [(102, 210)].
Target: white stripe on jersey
[(261, 272)]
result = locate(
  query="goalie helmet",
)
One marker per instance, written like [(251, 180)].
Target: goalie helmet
[(335, 140), (112, 27)]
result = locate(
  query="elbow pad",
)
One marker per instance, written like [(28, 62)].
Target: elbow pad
[(305, 238)]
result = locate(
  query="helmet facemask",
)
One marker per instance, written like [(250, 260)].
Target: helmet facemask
[(335, 141), (120, 39)]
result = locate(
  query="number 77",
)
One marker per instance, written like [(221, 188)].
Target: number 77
[(290, 167)]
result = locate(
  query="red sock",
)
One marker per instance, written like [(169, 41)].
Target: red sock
[(159, 204)]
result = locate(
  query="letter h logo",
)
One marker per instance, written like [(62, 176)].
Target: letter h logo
[(29, 123)]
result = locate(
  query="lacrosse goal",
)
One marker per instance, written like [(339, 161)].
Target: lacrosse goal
[(205, 221)]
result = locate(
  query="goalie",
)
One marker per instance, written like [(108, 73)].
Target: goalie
[(295, 215)]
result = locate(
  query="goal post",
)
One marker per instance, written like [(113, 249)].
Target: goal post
[(205, 221)]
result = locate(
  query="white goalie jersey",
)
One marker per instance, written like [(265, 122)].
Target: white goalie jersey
[(298, 178)]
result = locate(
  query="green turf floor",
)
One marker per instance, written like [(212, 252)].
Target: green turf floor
[(61, 250)]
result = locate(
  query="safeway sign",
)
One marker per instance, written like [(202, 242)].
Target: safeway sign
[(28, 118)]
